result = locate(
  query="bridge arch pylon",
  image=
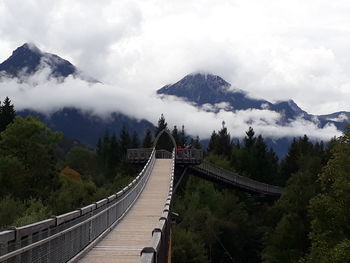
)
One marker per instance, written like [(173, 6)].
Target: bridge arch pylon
[(160, 134)]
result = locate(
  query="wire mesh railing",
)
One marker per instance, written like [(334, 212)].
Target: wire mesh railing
[(66, 237), (220, 174), (158, 249)]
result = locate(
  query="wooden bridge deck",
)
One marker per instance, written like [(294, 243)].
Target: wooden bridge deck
[(125, 242)]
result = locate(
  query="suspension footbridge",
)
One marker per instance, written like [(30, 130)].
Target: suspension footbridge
[(132, 225)]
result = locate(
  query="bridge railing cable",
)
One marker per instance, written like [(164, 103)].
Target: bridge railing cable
[(158, 249), (232, 178), (65, 238)]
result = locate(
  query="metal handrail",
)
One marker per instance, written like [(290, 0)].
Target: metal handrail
[(157, 251), (182, 155), (95, 223), (235, 179)]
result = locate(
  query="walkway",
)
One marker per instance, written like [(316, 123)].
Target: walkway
[(134, 232)]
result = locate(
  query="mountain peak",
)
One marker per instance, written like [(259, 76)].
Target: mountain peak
[(206, 88), (212, 81), (31, 47), (28, 59), (196, 83)]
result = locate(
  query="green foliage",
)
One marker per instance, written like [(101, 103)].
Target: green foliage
[(125, 140), (84, 161), (135, 141), (196, 144), (254, 160), (31, 183), (164, 142), (148, 140), (18, 213), (12, 176), (220, 143), (35, 211), (175, 134), (7, 113), (29, 144), (110, 154), (329, 210), (250, 139), (188, 247), (11, 209), (182, 136), (219, 161), (71, 195), (288, 240), (299, 148), (221, 222)]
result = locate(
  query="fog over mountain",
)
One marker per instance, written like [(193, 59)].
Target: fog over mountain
[(200, 104), (273, 50)]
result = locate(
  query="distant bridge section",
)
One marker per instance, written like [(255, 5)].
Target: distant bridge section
[(215, 173), (183, 156), (193, 159)]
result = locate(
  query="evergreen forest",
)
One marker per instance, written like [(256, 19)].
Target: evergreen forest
[(44, 173)]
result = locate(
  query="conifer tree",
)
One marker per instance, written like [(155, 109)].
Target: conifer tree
[(148, 140), (224, 146), (135, 141), (329, 210), (125, 141), (249, 140), (162, 124), (7, 114), (220, 143), (163, 142), (213, 142), (182, 136), (196, 143), (99, 147), (176, 135)]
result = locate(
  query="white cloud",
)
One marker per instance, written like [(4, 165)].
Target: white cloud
[(49, 95), (341, 117), (273, 49)]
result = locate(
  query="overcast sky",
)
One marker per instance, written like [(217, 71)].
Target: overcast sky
[(273, 49)]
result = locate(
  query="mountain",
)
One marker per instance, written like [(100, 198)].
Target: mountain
[(88, 128), (82, 127), (339, 119), (212, 93), (208, 89), (28, 59)]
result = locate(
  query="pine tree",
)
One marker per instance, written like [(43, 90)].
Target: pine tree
[(148, 140), (125, 141), (164, 141), (182, 136), (196, 143), (176, 135), (99, 147), (7, 114), (213, 142), (249, 140), (220, 143), (329, 210), (224, 146), (162, 124), (135, 141), (105, 145)]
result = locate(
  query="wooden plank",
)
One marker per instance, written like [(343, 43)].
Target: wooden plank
[(125, 242)]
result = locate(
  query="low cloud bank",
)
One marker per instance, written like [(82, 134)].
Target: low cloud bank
[(49, 95)]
